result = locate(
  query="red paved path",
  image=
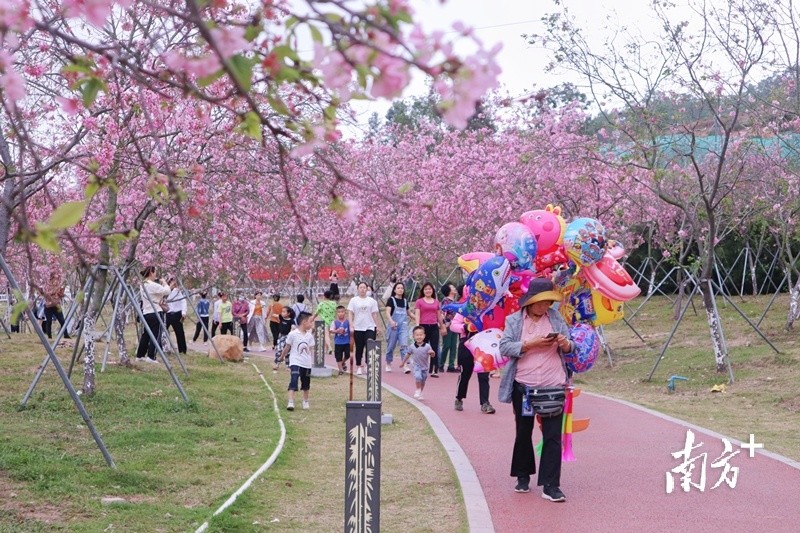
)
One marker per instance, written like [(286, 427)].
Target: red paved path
[(618, 481)]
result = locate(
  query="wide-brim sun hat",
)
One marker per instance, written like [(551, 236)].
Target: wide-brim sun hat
[(539, 290)]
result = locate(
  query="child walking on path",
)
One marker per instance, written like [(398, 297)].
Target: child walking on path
[(300, 347), (326, 311), (340, 327), (428, 314), (284, 328), (202, 311), (420, 355)]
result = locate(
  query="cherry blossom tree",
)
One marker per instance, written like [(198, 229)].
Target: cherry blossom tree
[(695, 164)]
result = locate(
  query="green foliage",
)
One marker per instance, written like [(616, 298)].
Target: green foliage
[(251, 125), (66, 215), (242, 68)]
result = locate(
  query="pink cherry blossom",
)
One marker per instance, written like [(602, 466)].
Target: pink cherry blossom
[(71, 106), (392, 79), (13, 85), (336, 71), (229, 40)]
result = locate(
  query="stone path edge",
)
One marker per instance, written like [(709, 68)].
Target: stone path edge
[(479, 519), (772, 455)]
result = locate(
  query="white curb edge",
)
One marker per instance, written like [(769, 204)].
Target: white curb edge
[(263, 467), (479, 519)]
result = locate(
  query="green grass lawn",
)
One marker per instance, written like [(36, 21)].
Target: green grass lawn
[(177, 463)]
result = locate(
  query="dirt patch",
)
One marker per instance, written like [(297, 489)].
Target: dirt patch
[(11, 500), (791, 404)]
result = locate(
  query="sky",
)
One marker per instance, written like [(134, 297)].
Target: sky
[(505, 21)]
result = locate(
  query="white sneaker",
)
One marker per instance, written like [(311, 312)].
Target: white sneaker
[(262, 348), (420, 397), (388, 368), (290, 406), (416, 393), (407, 369), (306, 405), (359, 372)]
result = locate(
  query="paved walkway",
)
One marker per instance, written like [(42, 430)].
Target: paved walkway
[(618, 482)]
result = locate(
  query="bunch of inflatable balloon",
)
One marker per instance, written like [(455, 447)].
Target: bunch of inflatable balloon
[(576, 256)]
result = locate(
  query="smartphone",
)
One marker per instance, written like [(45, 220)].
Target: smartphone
[(551, 335)]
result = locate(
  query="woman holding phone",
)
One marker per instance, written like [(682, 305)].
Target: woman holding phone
[(535, 339)]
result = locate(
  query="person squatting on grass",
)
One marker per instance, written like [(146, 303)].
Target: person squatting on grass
[(299, 347), (420, 355), (340, 327)]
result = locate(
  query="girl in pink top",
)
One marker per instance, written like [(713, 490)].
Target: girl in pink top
[(429, 316)]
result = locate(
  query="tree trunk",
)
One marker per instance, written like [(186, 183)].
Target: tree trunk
[(753, 277), (794, 299), (119, 332), (676, 312), (100, 285), (714, 326), (89, 384), (8, 193), (651, 282)]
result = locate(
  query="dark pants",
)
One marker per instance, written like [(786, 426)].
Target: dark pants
[(361, 338), (146, 345), (432, 338), (199, 327), (467, 364), (245, 333), (174, 321), (275, 329), (522, 460), (302, 374), (227, 328), (49, 314), (449, 351)]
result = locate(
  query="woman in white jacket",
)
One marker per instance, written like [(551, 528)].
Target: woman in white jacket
[(152, 292), (256, 320)]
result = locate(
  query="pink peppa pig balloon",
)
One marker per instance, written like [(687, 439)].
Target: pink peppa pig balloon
[(547, 227), (485, 348), (516, 243)]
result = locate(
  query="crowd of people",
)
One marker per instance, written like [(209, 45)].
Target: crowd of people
[(428, 339), (534, 339)]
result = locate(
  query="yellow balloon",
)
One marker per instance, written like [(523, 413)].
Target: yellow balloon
[(606, 310)]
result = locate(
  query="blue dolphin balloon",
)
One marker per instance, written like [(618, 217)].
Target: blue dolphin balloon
[(486, 286)]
